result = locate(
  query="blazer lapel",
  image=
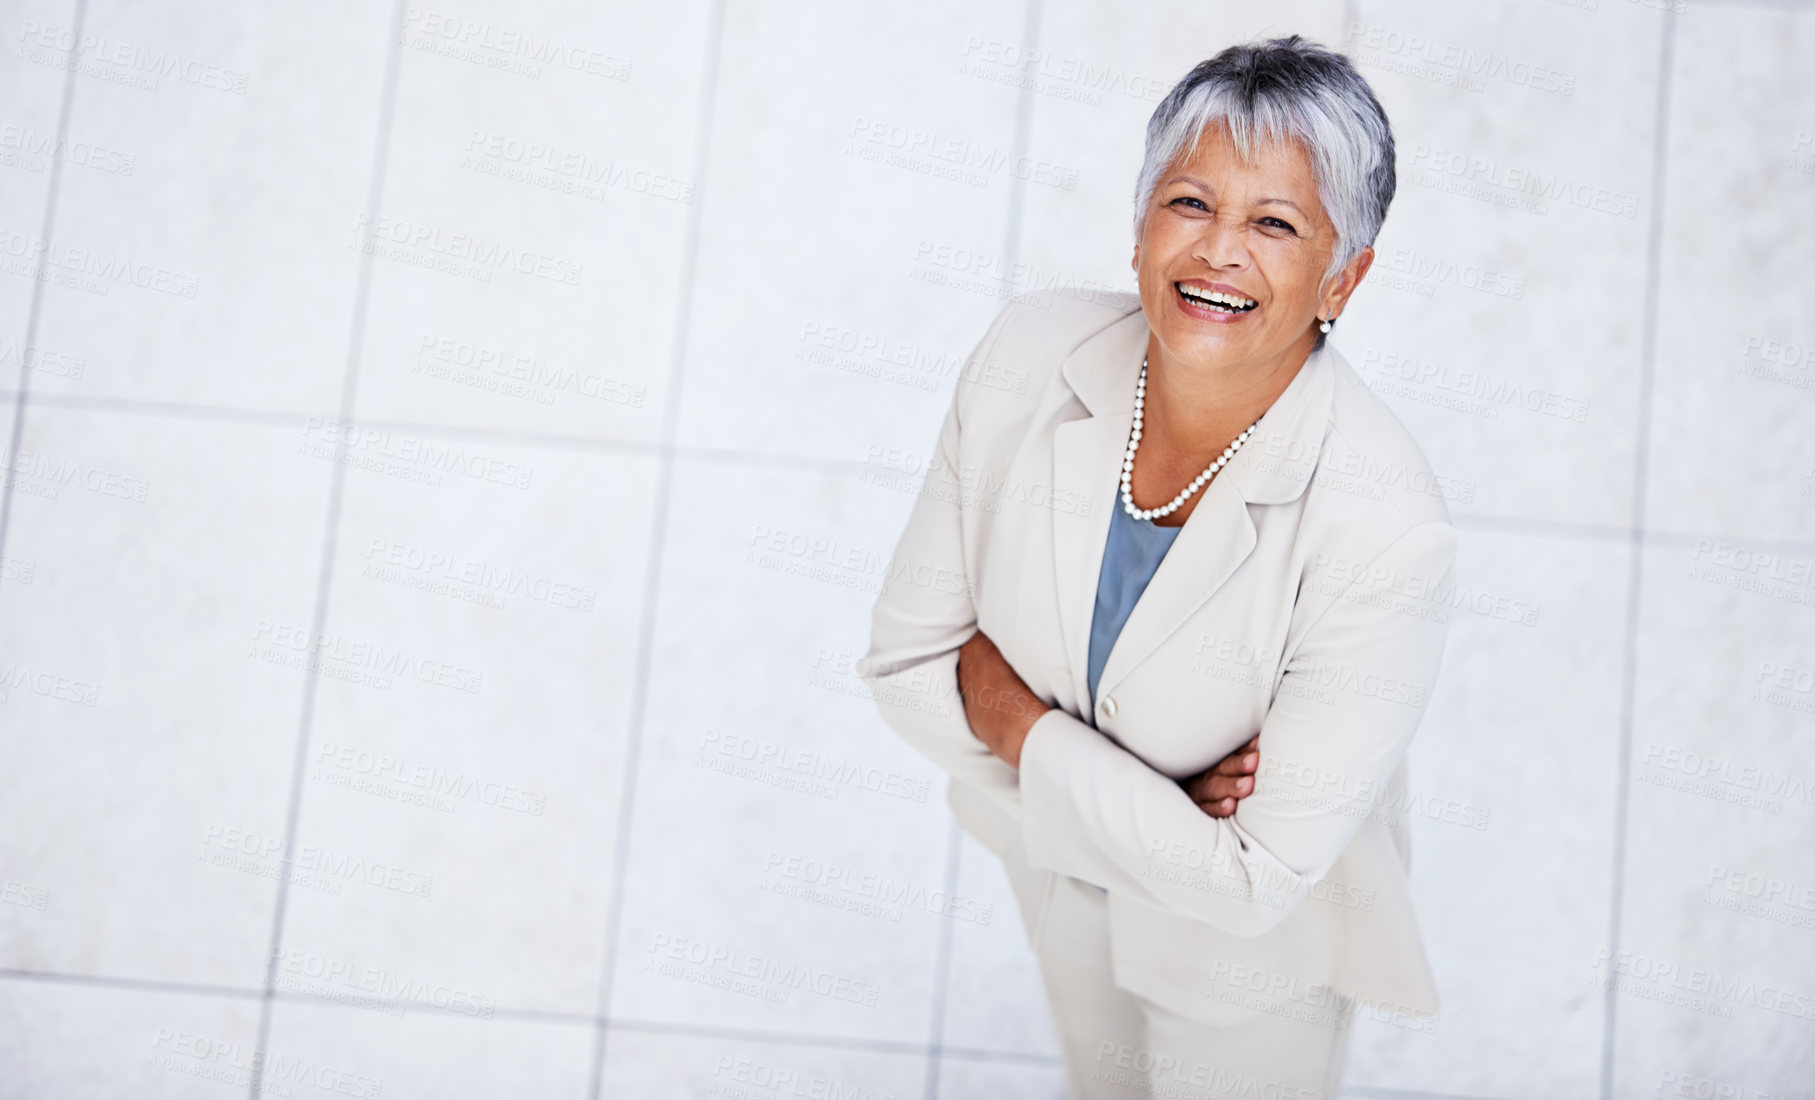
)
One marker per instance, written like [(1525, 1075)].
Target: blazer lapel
[(1274, 467), (1217, 537), (1087, 463)]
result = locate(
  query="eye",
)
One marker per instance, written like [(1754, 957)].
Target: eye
[(1277, 223), (1191, 199)]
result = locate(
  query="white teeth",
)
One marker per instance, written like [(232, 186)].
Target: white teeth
[(1217, 298)]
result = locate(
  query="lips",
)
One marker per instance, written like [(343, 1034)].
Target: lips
[(1200, 297)]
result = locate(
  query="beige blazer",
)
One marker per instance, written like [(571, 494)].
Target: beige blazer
[(1305, 598)]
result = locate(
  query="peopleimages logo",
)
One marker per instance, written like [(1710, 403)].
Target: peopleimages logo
[(1696, 988), (330, 978), (433, 27), (129, 58), (1464, 62), (966, 160), (486, 576), (424, 460), (299, 647), (1494, 393), (44, 472), (763, 976), (431, 778), (371, 232), (206, 1058), (1463, 276), (50, 685), (822, 877), (1525, 180)]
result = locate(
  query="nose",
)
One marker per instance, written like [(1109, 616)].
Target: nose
[(1223, 244)]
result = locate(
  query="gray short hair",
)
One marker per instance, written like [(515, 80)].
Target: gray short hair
[(1285, 89)]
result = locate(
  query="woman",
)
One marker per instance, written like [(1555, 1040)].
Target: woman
[(1204, 592)]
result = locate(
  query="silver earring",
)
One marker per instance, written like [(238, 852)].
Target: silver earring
[(1325, 327)]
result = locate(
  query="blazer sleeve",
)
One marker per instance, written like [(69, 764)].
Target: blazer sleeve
[(1344, 713), (925, 611)]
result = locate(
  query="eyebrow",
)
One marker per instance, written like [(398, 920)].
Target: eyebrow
[(1202, 186)]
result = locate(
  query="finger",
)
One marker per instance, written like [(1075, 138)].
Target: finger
[(1223, 808), (1210, 787), (1218, 787), (1236, 763), (1250, 758), (1243, 761)]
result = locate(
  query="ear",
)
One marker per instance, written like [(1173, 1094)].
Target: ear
[(1336, 294)]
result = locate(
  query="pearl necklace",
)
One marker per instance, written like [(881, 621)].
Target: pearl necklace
[(1134, 444)]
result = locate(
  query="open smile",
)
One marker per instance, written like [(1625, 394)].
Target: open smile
[(1213, 303)]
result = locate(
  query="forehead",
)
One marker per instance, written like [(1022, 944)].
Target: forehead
[(1280, 168)]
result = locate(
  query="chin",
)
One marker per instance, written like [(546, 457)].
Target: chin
[(1209, 348)]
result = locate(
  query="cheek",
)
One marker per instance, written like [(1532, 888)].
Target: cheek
[(1166, 239), (1152, 258), (1151, 278), (1294, 282)]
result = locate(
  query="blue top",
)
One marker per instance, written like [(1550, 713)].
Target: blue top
[(1130, 558)]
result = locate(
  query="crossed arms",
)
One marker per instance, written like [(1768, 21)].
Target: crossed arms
[(1002, 710), (1088, 808)]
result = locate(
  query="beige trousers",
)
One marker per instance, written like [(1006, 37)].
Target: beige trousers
[(1122, 1046)]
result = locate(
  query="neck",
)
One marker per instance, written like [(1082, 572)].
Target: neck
[(1192, 412)]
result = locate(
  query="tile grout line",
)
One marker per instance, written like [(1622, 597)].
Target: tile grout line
[(1024, 113), (954, 849), (1654, 248), (942, 956), (52, 190), (538, 1016), (330, 532), (658, 537), (526, 438), (137, 985), (1374, 1092), (837, 467), (1804, 7)]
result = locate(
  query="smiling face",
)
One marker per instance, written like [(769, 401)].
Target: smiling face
[(1232, 257)]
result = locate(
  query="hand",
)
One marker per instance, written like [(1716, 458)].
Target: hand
[(999, 705), (1217, 789)]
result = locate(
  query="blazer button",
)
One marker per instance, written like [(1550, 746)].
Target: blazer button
[(1107, 706)]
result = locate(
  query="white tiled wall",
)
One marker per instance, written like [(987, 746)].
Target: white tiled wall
[(456, 454)]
